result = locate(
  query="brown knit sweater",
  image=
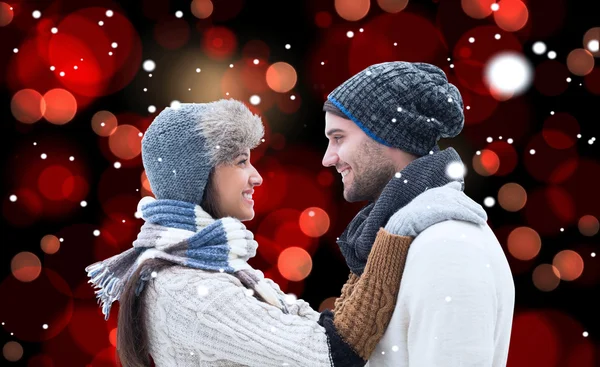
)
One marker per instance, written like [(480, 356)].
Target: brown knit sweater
[(375, 291)]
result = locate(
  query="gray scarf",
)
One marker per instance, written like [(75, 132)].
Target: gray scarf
[(423, 173)]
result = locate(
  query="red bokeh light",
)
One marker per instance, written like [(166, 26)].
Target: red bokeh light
[(219, 43), (46, 300)]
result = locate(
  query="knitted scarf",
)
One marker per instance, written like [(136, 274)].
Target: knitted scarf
[(423, 173), (184, 234)]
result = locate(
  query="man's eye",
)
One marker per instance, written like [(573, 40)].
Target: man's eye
[(336, 138), (243, 161)]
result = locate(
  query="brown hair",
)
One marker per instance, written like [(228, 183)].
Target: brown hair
[(132, 340)]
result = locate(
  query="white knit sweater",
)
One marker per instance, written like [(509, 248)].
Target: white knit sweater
[(456, 301), (198, 318)]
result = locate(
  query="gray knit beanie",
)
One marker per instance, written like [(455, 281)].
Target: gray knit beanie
[(182, 145), (404, 105)]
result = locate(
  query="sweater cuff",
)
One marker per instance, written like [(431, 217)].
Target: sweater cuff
[(342, 354)]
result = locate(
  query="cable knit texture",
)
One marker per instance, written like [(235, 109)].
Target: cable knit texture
[(196, 318), (375, 292)]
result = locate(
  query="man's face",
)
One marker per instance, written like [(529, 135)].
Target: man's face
[(361, 161)]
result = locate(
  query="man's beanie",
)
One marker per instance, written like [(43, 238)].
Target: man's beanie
[(404, 105), (182, 145)]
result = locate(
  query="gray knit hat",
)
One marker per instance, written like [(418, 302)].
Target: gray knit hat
[(183, 144), (404, 105)]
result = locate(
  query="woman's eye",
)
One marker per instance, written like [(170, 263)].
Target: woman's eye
[(243, 161)]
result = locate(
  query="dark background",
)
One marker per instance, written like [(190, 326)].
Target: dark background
[(561, 184)]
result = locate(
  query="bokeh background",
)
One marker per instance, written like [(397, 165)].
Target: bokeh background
[(80, 81)]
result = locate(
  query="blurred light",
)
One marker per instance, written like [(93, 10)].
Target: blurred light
[(546, 277), (524, 243), (202, 9), (591, 41), (580, 62), (109, 54), (323, 19), (532, 151), (487, 163), (508, 74), (151, 108), (495, 7), (109, 13), (497, 36), (569, 264), (149, 65), (45, 326), (175, 104), (288, 46), (61, 106), (471, 39), (100, 23), (327, 304), (509, 141), (112, 337), (290, 299), (62, 73), (26, 266), (28, 106), (349, 34), (489, 201), (539, 48), (588, 225), (512, 197), (36, 14), (256, 61), (179, 14), (104, 123), (117, 165), (43, 156), (54, 30), (198, 70), (392, 6), (255, 100), (13, 198), (294, 264), (83, 204), (50, 244), (552, 55), (292, 97), (52, 68), (12, 351), (125, 143), (352, 10), (96, 233), (456, 170), (6, 14), (114, 45), (314, 222), (281, 77), (512, 15)]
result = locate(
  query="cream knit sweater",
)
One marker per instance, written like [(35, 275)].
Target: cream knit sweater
[(197, 318)]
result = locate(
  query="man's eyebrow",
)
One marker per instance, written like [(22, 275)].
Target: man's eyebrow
[(333, 131), (244, 154)]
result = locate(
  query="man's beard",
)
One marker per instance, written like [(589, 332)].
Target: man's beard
[(371, 174)]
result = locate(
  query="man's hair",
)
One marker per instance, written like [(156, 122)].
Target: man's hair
[(331, 108)]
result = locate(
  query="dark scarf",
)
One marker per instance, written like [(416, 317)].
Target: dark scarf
[(424, 173)]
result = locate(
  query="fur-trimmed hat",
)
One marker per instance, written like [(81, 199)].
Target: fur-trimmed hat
[(182, 145)]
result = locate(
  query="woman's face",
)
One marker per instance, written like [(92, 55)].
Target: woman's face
[(234, 185)]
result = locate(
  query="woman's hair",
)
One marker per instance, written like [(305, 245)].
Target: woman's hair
[(132, 339)]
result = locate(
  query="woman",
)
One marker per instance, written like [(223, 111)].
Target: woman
[(187, 294)]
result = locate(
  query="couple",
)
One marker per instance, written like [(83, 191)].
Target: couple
[(429, 284)]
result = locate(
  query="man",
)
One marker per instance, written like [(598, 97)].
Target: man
[(456, 298)]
